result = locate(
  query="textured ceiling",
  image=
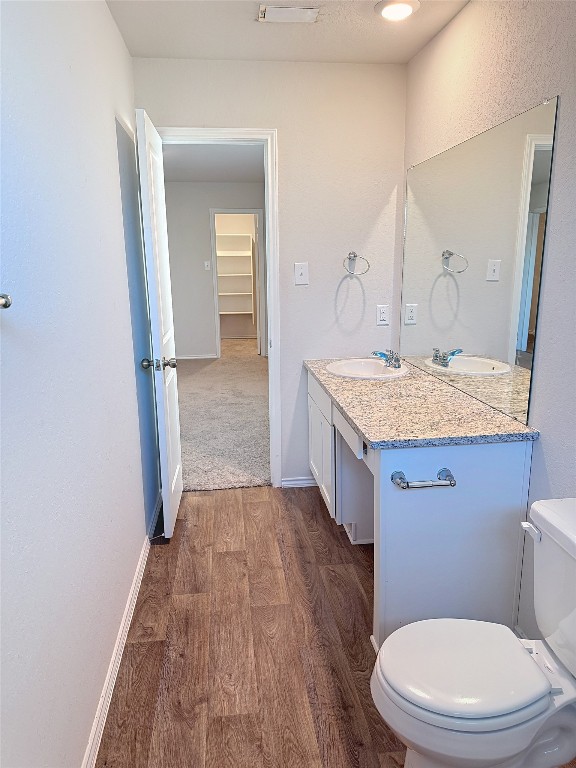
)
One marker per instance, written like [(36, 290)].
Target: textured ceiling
[(346, 31), (213, 162)]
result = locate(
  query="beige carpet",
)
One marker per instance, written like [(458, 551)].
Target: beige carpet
[(224, 419)]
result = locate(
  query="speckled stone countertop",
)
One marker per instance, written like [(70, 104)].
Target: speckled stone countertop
[(416, 410), (508, 393)]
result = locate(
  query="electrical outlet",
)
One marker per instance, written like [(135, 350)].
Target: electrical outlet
[(301, 273), (493, 271), (207, 266), (382, 314), (410, 314)]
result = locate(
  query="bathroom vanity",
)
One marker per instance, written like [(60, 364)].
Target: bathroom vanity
[(436, 479)]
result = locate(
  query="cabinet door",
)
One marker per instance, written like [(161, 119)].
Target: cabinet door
[(327, 480), (321, 452), (315, 440)]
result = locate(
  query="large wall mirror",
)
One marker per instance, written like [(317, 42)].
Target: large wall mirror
[(475, 228)]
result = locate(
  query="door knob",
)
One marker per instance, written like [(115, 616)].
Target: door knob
[(172, 363), (145, 363), (5, 301)]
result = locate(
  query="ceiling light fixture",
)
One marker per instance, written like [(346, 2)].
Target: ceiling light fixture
[(277, 13), (396, 10)]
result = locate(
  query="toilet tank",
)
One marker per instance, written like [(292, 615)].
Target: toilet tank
[(555, 576)]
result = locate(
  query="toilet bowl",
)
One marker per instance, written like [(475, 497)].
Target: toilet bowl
[(470, 693)]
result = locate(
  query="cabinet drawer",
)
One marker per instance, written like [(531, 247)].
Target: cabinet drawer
[(353, 440), (320, 397)]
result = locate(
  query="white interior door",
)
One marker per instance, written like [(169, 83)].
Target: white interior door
[(155, 235)]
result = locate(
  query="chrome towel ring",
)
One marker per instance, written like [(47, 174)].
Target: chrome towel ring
[(350, 263), (447, 255)]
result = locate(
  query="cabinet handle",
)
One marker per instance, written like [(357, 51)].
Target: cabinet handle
[(445, 480)]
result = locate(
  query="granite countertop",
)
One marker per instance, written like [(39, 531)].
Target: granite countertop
[(416, 410), (508, 392)]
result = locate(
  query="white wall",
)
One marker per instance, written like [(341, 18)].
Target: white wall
[(539, 196), (340, 138), (467, 200), (188, 209), (73, 516), (493, 61)]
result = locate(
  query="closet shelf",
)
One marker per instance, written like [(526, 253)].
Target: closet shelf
[(234, 274)]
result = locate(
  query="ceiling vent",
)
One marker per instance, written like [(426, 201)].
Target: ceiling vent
[(279, 14)]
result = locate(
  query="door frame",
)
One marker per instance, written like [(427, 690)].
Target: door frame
[(527, 280), (534, 142), (268, 138), (214, 261)]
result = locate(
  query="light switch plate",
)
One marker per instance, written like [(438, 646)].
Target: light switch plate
[(301, 273), (382, 314), (493, 271), (207, 266)]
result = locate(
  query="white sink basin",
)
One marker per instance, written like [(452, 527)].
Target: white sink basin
[(468, 365), (365, 368)]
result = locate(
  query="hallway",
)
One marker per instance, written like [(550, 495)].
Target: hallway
[(224, 425)]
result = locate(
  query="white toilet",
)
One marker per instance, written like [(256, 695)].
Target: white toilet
[(470, 693)]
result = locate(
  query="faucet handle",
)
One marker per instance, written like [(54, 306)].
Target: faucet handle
[(435, 354)]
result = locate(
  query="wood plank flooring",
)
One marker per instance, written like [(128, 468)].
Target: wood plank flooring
[(249, 646)]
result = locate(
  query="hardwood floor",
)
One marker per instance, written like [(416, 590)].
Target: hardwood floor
[(249, 646)]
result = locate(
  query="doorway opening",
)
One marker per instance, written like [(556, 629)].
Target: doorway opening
[(223, 261), (532, 229)]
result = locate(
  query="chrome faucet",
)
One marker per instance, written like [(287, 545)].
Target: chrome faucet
[(444, 358), (391, 358)]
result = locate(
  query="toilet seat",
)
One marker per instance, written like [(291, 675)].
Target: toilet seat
[(465, 724), (462, 675)]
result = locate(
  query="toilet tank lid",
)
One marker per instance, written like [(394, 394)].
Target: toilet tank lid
[(557, 518)]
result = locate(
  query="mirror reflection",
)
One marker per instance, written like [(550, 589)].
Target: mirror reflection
[(475, 229)]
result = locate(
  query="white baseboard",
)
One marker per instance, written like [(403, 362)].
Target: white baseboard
[(103, 705), (298, 482), (197, 357)]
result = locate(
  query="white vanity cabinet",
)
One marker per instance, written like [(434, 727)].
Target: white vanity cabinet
[(440, 550)]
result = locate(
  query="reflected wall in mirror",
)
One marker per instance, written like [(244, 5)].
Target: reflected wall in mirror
[(475, 228)]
